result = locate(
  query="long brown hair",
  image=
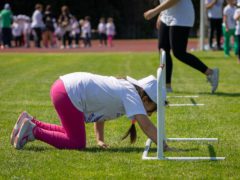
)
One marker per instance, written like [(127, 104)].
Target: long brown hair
[(132, 130)]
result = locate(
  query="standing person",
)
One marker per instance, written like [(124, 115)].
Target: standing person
[(6, 21), (229, 27), (237, 19), (81, 98), (58, 33), (75, 33), (111, 31), (48, 20), (102, 32), (27, 31), (17, 32), (87, 32), (37, 25), (64, 21), (174, 23), (215, 16)]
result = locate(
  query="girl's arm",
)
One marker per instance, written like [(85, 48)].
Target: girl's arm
[(163, 6), (211, 4), (147, 126), (99, 132), (149, 129)]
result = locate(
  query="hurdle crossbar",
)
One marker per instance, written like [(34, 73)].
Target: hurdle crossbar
[(161, 134)]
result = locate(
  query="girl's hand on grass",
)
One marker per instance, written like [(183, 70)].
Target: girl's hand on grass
[(102, 145), (150, 14)]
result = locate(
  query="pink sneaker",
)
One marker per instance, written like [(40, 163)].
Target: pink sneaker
[(18, 124), (25, 134)]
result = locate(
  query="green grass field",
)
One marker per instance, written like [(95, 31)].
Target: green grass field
[(25, 81)]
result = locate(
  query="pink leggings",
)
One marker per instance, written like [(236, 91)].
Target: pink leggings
[(110, 40), (71, 135)]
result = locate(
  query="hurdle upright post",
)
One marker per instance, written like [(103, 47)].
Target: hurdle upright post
[(160, 115), (161, 134)]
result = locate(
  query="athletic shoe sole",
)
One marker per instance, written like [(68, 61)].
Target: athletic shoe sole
[(21, 138), (17, 126)]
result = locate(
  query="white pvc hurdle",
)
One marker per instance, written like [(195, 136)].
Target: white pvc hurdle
[(161, 135)]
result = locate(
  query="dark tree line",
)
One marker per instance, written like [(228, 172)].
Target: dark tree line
[(128, 14)]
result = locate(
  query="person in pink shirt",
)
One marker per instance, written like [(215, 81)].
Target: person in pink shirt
[(111, 31)]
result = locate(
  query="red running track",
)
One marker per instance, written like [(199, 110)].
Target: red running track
[(119, 46)]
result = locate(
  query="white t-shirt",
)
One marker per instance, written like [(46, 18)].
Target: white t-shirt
[(37, 19), (216, 11), (86, 29), (237, 12), (16, 29), (110, 29), (181, 14), (102, 97), (229, 12), (102, 28), (27, 28), (75, 28)]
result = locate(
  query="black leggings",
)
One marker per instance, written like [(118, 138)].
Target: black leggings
[(37, 37), (175, 38), (215, 26), (66, 37)]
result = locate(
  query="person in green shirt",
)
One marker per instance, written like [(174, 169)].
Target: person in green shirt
[(6, 21)]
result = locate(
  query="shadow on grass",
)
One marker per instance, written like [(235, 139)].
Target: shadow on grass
[(193, 101), (134, 149), (37, 148), (122, 150), (211, 150), (223, 94)]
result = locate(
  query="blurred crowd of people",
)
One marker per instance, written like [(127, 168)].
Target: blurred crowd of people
[(47, 31), (224, 21)]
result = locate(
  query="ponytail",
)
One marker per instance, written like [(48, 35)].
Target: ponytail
[(133, 133)]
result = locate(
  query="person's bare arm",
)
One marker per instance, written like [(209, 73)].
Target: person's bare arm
[(158, 23), (211, 4), (99, 133), (163, 6), (236, 16), (147, 126)]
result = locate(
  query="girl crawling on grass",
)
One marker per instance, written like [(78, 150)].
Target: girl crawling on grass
[(81, 98)]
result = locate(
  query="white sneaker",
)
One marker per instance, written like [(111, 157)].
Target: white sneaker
[(22, 116), (25, 134), (213, 79)]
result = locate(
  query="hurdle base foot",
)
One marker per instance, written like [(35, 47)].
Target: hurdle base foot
[(185, 158)]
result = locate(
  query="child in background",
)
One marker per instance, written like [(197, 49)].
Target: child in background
[(48, 20), (27, 31), (110, 31), (58, 33), (86, 32), (237, 19), (64, 21), (75, 33), (102, 32), (17, 32), (81, 23), (229, 27)]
